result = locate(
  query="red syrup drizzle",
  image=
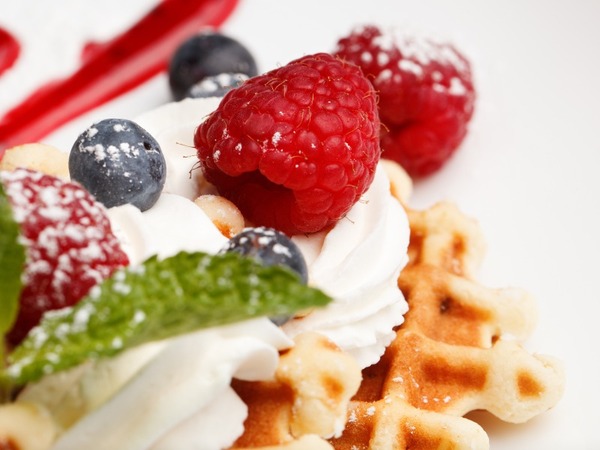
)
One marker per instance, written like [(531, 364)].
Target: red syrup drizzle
[(9, 50), (111, 69)]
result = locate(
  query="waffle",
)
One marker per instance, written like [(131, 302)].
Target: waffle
[(459, 349), (305, 404)]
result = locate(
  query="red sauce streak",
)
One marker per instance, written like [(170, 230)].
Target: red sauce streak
[(9, 50), (111, 69)]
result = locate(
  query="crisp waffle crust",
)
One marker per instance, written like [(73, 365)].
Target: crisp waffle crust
[(306, 403)]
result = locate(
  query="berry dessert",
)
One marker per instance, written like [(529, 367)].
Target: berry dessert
[(296, 147), (267, 284), (367, 303), (153, 240), (426, 95)]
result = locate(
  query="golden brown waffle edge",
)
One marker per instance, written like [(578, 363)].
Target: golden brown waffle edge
[(307, 401)]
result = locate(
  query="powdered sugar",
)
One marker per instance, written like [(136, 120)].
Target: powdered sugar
[(276, 138), (420, 50), (456, 87), (282, 250), (366, 57), (383, 59), (384, 75), (97, 150), (112, 152), (410, 66), (395, 53)]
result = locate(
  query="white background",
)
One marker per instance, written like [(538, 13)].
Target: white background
[(528, 170)]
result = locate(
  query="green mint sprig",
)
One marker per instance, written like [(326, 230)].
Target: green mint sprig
[(158, 300), (12, 261)]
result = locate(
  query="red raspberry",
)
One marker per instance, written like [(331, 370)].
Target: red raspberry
[(70, 246), (426, 95), (296, 147)]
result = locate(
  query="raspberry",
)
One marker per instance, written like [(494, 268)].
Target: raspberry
[(70, 246), (426, 95), (294, 148)]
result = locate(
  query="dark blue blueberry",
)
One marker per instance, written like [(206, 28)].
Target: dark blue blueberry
[(119, 162), (204, 55), (216, 85), (269, 247)]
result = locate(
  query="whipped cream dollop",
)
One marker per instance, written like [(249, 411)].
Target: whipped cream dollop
[(357, 263), (169, 394), (164, 395)]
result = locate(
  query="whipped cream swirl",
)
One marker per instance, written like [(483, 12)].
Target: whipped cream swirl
[(357, 262)]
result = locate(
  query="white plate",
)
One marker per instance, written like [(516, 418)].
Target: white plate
[(527, 171)]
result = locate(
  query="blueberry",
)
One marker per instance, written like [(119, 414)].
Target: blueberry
[(216, 85), (119, 162), (207, 54), (269, 247)]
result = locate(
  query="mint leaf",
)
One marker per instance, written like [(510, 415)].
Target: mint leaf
[(157, 300), (12, 261)]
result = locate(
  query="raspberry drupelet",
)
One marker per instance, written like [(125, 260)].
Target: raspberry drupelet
[(294, 148)]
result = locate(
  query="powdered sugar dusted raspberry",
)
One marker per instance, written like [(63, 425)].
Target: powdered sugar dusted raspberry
[(426, 94), (69, 241)]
